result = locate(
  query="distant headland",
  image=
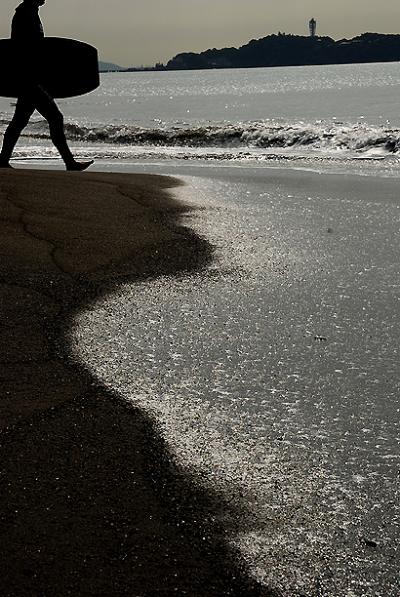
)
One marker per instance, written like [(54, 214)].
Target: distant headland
[(289, 50), (294, 50)]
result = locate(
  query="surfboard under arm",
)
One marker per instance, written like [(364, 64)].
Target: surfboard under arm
[(64, 67)]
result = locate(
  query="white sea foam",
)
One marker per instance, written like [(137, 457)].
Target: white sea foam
[(319, 137)]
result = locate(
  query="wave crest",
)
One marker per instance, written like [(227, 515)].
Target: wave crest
[(320, 136)]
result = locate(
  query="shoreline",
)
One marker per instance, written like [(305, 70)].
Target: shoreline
[(61, 249), (288, 245), (92, 502)]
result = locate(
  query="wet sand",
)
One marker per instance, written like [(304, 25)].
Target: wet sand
[(91, 502), (286, 390)]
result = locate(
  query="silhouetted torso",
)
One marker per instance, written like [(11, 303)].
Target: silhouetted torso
[(26, 27)]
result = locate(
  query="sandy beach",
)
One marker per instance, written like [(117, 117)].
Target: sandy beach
[(91, 503), (199, 417)]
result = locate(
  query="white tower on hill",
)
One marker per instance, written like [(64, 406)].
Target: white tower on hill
[(313, 27)]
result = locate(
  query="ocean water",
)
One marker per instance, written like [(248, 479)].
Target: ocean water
[(315, 112), (273, 374)]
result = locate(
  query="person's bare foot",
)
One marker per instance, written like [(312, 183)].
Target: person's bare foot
[(78, 166)]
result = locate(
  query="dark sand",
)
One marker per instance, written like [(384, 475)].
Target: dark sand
[(91, 503)]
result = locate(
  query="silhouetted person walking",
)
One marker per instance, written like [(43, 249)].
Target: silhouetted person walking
[(27, 33)]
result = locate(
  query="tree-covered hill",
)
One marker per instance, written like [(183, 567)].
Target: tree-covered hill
[(294, 50)]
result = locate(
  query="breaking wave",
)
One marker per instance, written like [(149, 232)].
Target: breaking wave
[(324, 137), (359, 138)]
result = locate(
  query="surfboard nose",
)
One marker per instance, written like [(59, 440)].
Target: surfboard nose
[(64, 67)]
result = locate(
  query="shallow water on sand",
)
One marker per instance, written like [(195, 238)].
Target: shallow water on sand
[(274, 372)]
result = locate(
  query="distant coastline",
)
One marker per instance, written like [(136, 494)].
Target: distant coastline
[(286, 50)]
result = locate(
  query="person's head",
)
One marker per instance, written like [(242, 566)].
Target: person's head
[(35, 2)]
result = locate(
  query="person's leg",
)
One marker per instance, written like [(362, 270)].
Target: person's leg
[(47, 107), (23, 111)]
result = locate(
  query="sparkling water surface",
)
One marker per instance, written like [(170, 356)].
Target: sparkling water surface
[(335, 111), (274, 373), (345, 92)]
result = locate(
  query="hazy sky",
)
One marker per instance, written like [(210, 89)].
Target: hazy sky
[(134, 32)]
